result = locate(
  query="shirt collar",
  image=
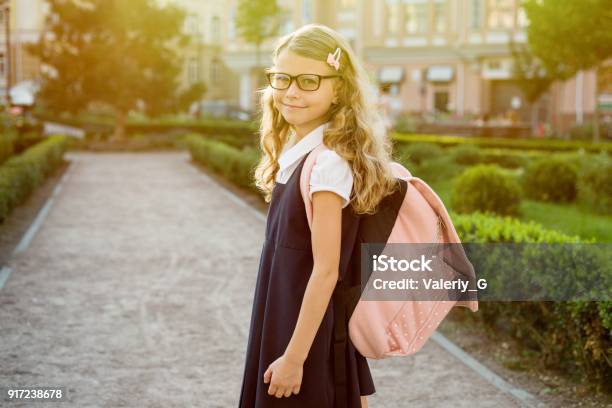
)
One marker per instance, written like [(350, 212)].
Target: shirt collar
[(304, 146)]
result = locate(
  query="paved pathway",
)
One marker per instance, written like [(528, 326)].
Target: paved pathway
[(136, 291)]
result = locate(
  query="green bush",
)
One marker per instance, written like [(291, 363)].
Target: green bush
[(551, 179), (21, 174), (485, 228), (486, 188), (467, 155), (238, 141), (580, 159), (419, 152), (26, 140), (574, 336), (509, 161), (7, 145), (544, 145), (234, 164), (595, 185), (105, 124), (439, 168)]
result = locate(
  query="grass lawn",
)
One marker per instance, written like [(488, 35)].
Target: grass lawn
[(573, 219)]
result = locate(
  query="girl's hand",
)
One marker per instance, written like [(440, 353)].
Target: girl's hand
[(286, 376)]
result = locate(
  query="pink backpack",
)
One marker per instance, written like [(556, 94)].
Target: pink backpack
[(381, 329)]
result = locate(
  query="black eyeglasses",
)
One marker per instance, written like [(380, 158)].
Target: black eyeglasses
[(306, 82)]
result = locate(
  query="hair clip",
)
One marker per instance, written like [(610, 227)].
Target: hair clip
[(333, 59)]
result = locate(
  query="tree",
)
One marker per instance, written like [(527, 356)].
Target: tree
[(118, 53), (256, 21), (570, 36), (186, 98), (532, 78)]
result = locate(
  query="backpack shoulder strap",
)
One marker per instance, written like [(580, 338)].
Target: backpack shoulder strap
[(305, 179), (448, 232), (400, 171)]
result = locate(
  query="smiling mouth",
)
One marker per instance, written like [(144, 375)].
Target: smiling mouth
[(292, 106)]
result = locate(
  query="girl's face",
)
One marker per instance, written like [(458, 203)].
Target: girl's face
[(305, 110)]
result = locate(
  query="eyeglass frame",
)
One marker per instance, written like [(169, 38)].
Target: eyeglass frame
[(292, 77)]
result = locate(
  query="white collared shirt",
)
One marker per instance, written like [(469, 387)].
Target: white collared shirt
[(330, 172)]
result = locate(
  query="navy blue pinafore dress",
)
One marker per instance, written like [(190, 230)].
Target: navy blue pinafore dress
[(285, 267)]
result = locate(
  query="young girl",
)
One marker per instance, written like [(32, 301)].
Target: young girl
[(319, 93)]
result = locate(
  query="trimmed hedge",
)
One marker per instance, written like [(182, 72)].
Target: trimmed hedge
[(105, 124), (21, 174), (486, 188), (485, 228), (418, 153), (553, 145), (467, 155), (595, 186), (593, 183), (236, 165), (7, 145), (572, 336), (503, 159), (440, 168), (551, 179)]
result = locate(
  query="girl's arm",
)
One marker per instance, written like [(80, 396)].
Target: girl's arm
[(326, 234)]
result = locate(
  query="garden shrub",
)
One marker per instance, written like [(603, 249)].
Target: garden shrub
[(574, 336), (439, 168), (7, 145), (486, 188), (595, 185), (234, 164), (419, 152), (509, 161), (21, 174), (544, 145), (551, 179), (467, 155)]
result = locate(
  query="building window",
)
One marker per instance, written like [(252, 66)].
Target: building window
[(393, 16), (215, 28), (501, 14), (475, 14), (193, 70), (416, 17), (440, 8)]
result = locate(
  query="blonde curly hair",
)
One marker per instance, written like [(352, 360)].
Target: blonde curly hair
[(357, 131)]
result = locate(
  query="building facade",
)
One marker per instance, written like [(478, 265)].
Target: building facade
[(202, 58), (26, 21), (448, 58), (454, 57)]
